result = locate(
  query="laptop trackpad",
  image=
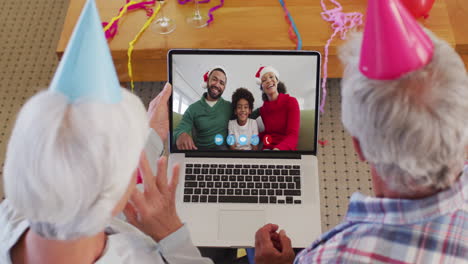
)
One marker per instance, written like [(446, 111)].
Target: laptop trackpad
[(237, 225)]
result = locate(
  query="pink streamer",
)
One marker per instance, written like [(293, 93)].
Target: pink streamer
[(322, 142), (139, 178), (210, 12), (183, 2), (341, 23), (110, 33)]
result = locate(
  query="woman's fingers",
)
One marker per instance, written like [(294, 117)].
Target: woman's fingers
[(131, 214), (162, 96), (166, 92), (161, 176), (147, 175), (174, 180), (139, 202)]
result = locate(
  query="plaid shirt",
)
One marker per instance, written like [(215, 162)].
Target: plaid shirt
[(382, 230)]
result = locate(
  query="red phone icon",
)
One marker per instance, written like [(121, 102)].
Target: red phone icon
[(267, 140)]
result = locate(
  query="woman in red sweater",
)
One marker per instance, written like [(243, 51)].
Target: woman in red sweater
[(280, 112)]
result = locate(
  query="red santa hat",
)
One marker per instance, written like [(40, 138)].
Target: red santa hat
[(208, 73), (265, 69)]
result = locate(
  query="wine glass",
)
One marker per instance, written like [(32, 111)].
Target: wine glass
[(163, 25), (197, 20)]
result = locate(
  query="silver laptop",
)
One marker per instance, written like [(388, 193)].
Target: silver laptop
[(232, 184)]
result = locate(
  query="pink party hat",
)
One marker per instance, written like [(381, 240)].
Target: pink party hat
[(394, 43)]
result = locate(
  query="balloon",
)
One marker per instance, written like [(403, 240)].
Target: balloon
[(418, 8)]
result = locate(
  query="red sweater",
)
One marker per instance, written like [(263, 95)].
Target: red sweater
[(282, 120)]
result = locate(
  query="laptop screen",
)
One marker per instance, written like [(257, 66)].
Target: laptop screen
[(239, 100)]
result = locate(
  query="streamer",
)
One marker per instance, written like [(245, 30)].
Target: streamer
[(292, 31), (341, 23), (131, 45), (111, 28)]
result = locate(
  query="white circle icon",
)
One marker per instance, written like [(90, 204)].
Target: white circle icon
[(243, 139)]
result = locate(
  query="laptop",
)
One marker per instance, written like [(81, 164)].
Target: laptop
[(226, 194)]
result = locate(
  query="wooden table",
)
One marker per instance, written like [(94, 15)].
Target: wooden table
[(243, 24), (458, 10)]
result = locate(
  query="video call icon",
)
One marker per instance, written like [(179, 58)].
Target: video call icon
[(231, 140), (219, 140), (243, 140), (255, 140), (267, 140)]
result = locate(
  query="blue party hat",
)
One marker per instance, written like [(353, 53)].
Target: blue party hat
[(86, 71)]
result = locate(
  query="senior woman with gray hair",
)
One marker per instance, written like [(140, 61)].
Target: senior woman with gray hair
[(68, 174), (71, 167), (412, 129)]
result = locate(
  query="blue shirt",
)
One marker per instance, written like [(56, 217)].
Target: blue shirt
[(383, 230)]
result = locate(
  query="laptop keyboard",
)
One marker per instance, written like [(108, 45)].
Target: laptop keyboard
[(229, 183)]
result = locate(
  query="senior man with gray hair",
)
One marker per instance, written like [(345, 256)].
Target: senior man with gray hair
[(408, 120)]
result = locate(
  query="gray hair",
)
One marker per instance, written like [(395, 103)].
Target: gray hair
[(68, 165), (413, 130)]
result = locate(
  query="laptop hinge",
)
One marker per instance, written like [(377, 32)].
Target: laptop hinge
[(246, 154)]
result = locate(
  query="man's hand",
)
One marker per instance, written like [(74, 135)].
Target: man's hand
[(185, 142), (158, 112), (271, 247), (154, 210)]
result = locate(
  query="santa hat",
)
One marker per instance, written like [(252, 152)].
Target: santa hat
[(265, 69), (208, 73), (394, 43)]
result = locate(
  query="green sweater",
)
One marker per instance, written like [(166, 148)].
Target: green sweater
[(207, 122)]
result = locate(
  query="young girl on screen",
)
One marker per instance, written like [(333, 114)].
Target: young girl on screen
[(243, 131)]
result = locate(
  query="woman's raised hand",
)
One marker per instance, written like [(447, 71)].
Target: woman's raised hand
[(153, 211)]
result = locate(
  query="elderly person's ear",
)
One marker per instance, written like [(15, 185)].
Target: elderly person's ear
[(357, 148)]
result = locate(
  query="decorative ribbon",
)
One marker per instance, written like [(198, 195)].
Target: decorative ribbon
[(183, 2), (110, 29), (292, 31), (322, 142), (341, 23), (214, 8), (139, 178), (210, 12), (137, 37)]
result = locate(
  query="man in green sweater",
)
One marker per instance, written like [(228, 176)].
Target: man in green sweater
[(209, 116)]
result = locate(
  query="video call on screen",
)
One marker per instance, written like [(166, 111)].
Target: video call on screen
[(206, 113)]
